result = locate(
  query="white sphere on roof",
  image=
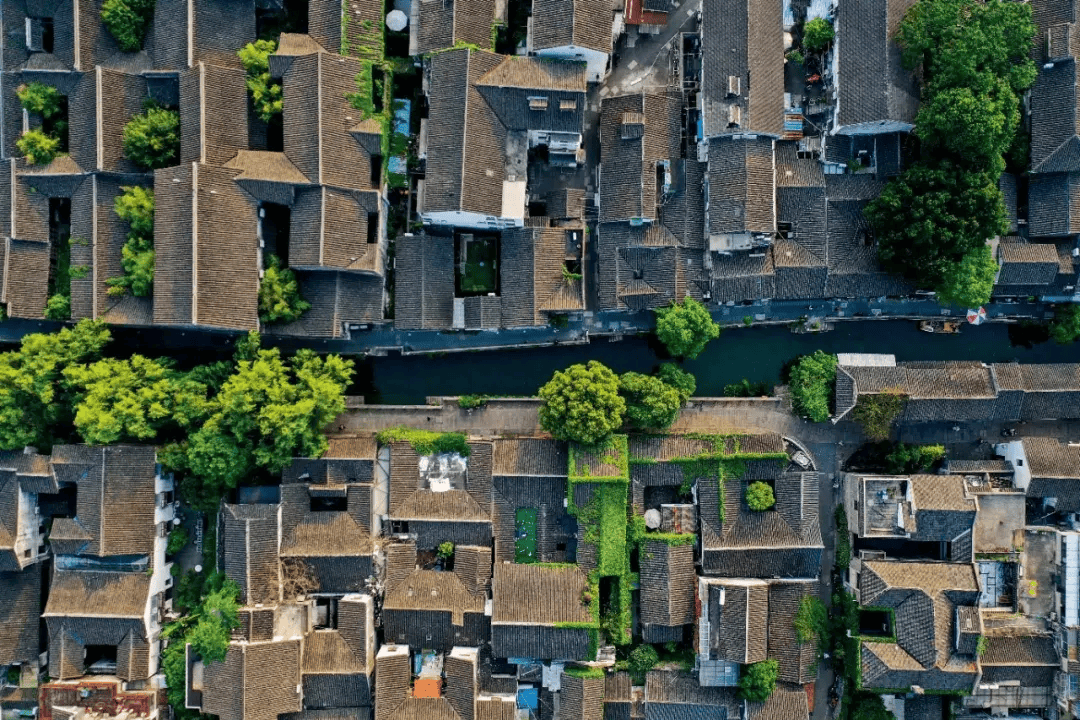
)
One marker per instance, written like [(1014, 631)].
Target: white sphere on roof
[(397, 20), (652, 519)]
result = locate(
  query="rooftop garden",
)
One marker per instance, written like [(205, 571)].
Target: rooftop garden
[(426, 442), (478, 273)]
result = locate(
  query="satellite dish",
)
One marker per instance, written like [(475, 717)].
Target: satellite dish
[(652, 519), (397, 20)]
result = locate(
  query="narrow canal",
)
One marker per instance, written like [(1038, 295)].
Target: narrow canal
[(757, 354)]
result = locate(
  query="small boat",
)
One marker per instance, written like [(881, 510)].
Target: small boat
[(939, 326)]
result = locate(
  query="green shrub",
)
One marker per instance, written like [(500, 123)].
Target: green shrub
[(758, 680), (58, 307), (817, 34), (426, 442), (796, 57), (178, 539), (745, 388), (152, 138), (468, 402), (126, 21), (913, 458), (135, 206), (813, 379), (279, 295), (265, 93), (812, 622), (137, 260), (39, 98), (843, 539), (37, 147), (642, 659), (759, 496), (446, 550)]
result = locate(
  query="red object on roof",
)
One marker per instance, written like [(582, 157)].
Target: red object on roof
[(427, 688), (636, 14)]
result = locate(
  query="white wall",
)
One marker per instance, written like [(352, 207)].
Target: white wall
[(460, 218)]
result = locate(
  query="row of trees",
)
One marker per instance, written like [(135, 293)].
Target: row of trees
[(933, 222), (586, 403), (219, 423)]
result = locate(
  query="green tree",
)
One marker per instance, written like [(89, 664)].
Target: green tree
[(126, 21), (650, 402), (970, 282), (58, 307), (869, 706), (679, 379), (267, 412), (813, 379), (151, 139), (217, 616), (1066, 325), (582, 403), (35, 401), (759, 496), (685, 328), (279, 294), (37, 147), (178, 540), (133, 399), (40, 99), (265, 93), (929, 218), (972, 127), (135, 206), (758, 681), (958, 41), (446, 550), (877, 413), (818, 33)]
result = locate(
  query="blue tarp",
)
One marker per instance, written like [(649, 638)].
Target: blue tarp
[(528, 698)]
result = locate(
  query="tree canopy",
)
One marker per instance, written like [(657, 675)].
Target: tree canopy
[(151, 139), (758, 681), (126, 21), (877, 413), (913, 458), (266, 413), (38, 147), (35, 396), (279, 294), (265, 93), (582, 403), (1066, 325), (685, 328), (970, 282), (818, 33), (813, 379), (685, 383), (931, 217), (135, 206), (759, 496), (650, 402), (973, 127), (40, 99)]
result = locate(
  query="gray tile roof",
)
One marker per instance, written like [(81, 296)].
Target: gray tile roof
[(249, 549), (1025, 263), (578, 23), (671, 695), (741, 186), (872, 84), (441, 25), (742, 67), (532, 275), (20, 606), (256, 681), (1054, 204)]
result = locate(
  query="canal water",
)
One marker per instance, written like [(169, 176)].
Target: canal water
[(756, 353)]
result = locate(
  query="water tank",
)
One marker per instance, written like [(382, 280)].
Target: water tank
[(652, 519), (396, 20)]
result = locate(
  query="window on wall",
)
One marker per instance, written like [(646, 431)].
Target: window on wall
[(39, 34)]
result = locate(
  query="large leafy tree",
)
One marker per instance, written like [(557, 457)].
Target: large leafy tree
[(266, 413), (930, 218), (35, 396), (679, 379), (758, 681), (133, 399), (582, 404), (1066, 325), (813, 379), (650, 402), (956, 41), (685, 328), (969, 282), (877, 413), (973, 126), (279, 294)]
